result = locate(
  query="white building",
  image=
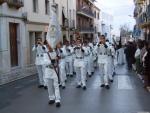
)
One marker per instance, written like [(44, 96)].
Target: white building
[(106, 25), (66, 11), (13, 47), (97, 23), (21, 23)]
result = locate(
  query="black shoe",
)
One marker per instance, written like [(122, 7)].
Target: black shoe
[(84, 87), (102, 85), (40, 86), (111, 81), (67, 75), (63, 87), (51, 102), (90, 76), (79, 86), (71, 75), (92, 73), (45, 87), (58, 104), (114, 73), (74, 73), (107, 87), (60, 85)]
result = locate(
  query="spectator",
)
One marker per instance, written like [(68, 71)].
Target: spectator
[(138, 64), (143, 50), (146, 65), (130, 53)]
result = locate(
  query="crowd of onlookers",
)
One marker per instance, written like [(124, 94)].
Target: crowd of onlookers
[(138, 57)]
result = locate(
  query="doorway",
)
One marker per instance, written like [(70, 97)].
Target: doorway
[(13, 44)]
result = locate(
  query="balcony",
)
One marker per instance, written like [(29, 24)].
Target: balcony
[(72, 24), (139, 1), (17, 4), (65, 24), (141, 19), (91, 1), (148, 12), (137, 11), (84, 30), (2, 1), (85, 12)]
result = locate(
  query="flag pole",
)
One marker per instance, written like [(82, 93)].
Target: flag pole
[(50, 4)]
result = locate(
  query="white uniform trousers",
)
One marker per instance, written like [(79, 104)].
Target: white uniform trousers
[(92, 62), (88, 64), (69, 65), (110, 67), (40, 74), (62, 72), (52, 84), (104, 73), (53, 89), (80, 70)]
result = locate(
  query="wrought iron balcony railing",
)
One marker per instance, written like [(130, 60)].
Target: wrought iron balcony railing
[(148, 12), (142, 18), (86, 12), (65, 24), (86, 29), (72, 24), (15, 3)]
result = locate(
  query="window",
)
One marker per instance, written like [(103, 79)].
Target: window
[(95, 14), (70, 14), (47, 8), (35, 6), (98, 16)]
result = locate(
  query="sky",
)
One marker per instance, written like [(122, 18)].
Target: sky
[(121, 10)]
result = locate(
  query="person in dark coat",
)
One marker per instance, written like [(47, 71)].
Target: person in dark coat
[(146, 65), (130, 52)]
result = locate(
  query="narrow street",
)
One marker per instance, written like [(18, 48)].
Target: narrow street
[(126, 95)]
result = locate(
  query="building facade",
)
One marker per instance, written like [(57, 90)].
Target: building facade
[(66, 11), (13, 47), (97, 23), (142, 17), (85, 19)]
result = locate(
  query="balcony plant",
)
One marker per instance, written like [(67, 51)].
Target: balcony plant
[(15, 3)]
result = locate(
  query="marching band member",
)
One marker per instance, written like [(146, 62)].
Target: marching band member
[(111, 56), (51, 77), (39, 61), (102, 52), (92, 57), (79, 65), (87, 59), (62, 63), (69, 59)]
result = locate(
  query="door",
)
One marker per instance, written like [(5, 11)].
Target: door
[(13, 44)]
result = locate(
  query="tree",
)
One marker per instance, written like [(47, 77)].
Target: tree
[(125, 31)]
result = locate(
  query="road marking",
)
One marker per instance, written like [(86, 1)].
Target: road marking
[(143, 112), (124, 82)]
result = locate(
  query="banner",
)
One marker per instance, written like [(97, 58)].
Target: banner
[(54, 30)]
